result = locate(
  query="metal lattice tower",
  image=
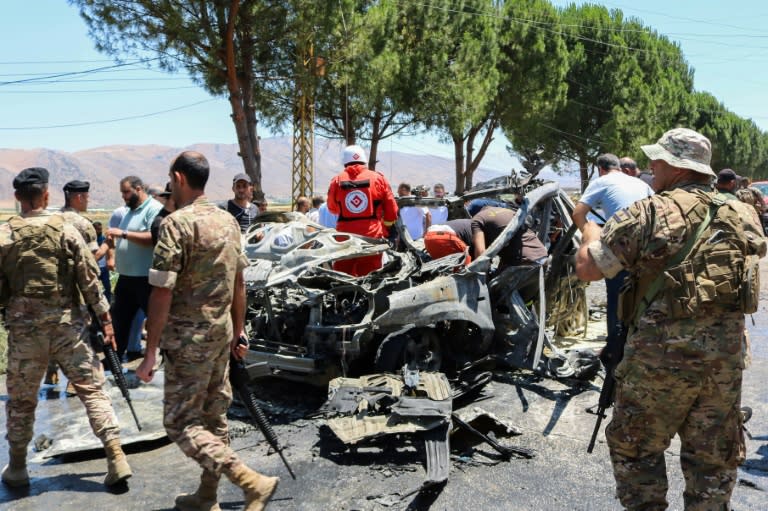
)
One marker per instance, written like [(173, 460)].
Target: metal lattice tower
[(303, 145), (309, 69)]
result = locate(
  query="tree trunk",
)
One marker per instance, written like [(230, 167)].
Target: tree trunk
[(583, 171), (250, 113), (472, 160), (458, 158), (238, 104), (375, 137)]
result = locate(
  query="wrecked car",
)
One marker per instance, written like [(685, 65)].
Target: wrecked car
[(307, 322)]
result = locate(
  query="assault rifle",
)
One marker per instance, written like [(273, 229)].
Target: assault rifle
[(238, 378), (96, 334), (610, 357)]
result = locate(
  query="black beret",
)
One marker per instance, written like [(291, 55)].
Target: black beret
[(31, 176), (77, 186)]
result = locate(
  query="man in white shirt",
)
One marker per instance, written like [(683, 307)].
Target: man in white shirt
[(415, 218), (439, 214)]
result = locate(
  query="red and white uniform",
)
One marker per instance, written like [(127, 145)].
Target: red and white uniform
[(364, 202)]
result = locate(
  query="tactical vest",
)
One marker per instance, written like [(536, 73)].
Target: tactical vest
[(35, 262), (720, 273), (356, 197)]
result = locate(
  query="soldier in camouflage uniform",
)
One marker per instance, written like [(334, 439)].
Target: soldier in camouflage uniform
[(198, 305), (682, 367), (750, 195), (76, 202), (44, 267)]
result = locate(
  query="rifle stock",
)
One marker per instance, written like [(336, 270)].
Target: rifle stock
[(97, 341), (238, 378)]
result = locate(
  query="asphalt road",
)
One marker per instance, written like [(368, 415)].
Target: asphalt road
[(388, 474)]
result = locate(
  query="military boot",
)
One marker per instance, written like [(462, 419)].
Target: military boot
[(117, 464), (15, 472), (204, 499), (258, 489)]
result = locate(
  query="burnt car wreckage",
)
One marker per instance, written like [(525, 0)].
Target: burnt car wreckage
[(399, 345)]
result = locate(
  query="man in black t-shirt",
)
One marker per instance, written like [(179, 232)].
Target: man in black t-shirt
[(241, 207), (164, 196), (523, 248)]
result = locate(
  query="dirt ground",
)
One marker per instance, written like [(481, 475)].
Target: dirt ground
[(387, 475)]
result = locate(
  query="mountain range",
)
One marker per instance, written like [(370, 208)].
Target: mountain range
[(103, 167)]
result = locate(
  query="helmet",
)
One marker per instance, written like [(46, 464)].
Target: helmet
[(353, 154)]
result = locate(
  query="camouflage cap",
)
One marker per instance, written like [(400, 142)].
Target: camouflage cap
[(684, 148), (31, 176)]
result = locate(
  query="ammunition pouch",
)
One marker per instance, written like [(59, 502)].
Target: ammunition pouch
[(710, 279), (749, 293), (715, 271)]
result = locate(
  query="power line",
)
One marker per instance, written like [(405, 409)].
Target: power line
[(37, 62), (106, 121), (682, 18), (100, 80), (77, 73), (96, 91), (120, 70)]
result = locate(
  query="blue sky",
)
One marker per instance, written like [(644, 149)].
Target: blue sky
[(725, 42)]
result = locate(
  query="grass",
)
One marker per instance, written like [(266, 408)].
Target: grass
[(101, 216)]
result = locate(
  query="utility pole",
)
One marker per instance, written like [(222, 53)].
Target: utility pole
[(309, 69)]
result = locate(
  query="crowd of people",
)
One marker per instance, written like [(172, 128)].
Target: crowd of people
[(180, 263)]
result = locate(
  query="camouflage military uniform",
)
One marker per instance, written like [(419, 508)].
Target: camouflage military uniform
[(678, 376), (198, 255), (88, 232), (43, 328), (83, 225), (753, 197)]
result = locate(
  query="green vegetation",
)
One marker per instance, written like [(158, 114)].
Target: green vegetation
[(566, 84)]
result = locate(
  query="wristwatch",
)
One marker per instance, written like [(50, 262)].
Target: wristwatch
[(124, 235)]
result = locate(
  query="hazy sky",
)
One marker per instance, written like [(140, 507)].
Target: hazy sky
[(725, 42)]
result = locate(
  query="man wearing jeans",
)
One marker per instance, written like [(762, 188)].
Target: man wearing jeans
[(611, 192), (133, 257)]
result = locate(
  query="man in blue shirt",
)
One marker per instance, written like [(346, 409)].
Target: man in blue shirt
[(611, 192), (133, 257)]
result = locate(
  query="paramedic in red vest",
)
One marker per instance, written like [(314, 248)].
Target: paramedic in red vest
[(365, 204)]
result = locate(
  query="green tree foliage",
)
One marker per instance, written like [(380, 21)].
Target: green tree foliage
[(462, 80), (625, 84), (232, 48), (737, 143), (533, 64), (373, 74)]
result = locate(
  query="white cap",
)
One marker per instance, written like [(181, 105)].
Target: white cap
[(353, 153)]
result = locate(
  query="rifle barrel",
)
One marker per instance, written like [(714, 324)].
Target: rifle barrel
[(238, 376)]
